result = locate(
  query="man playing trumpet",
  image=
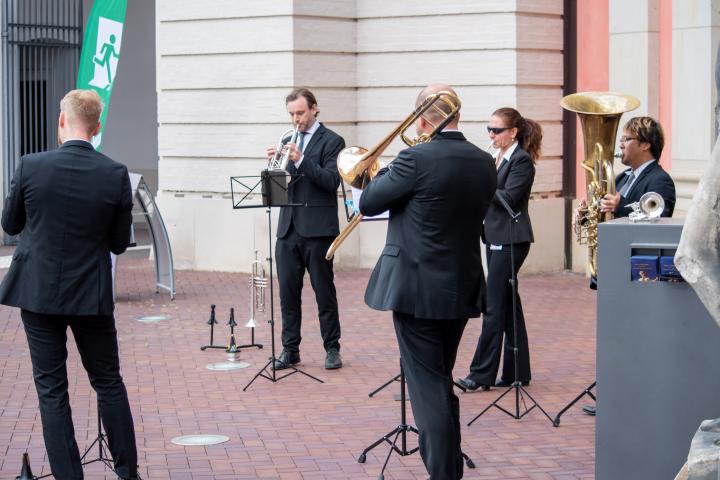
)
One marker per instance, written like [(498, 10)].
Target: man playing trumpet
[(305, 231)]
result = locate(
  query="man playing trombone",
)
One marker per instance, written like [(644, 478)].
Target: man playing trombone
[(306, 230), (430, 273)]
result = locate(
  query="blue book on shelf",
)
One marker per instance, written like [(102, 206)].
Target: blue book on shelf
[(668, 270), (644, 268)]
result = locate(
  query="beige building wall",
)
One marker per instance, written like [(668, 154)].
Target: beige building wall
[(696, 36), (224, 68), (635, 69)]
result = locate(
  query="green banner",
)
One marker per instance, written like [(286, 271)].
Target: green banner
[(101, 52)]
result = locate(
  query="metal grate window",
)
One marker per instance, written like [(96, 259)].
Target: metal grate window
[(41, 42)]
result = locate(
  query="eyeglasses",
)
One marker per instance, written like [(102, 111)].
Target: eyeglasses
[(497, 130), (625, 139)]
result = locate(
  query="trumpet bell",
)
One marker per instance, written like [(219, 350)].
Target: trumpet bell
[(652, 204)]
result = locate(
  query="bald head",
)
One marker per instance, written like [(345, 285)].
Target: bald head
[(436, 114)]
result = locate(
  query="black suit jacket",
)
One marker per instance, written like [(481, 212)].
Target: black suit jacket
[(437, 194), (73, 207), (514, 182), (652, 179), (316, 188)]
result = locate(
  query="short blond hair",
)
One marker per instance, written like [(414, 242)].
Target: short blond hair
[(82, 107)]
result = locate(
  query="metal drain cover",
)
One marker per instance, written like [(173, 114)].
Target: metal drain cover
[(152, 318), (200, 439), (227, 366)]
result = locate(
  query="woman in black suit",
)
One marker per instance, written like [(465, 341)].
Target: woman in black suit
[(517, 141)]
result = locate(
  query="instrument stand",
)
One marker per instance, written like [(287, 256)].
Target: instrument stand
[(587, 391), (275, 194), (212, 322), (401, 431), (520, 392)]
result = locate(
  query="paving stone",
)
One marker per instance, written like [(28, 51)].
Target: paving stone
[(296, 428)]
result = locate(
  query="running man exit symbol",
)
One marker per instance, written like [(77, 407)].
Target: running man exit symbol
[(107, 52)]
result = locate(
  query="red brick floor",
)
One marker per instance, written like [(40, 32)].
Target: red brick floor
[(298, 428)]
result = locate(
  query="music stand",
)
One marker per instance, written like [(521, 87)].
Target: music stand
[(274, 192), (400, 431), (520, 392)]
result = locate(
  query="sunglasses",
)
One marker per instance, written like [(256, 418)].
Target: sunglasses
[(497, 130)]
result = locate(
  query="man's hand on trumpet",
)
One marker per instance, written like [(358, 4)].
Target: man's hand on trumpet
[(291, 149)]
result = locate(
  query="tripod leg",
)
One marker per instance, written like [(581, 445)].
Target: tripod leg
[(387, 458), (394, 379), (587, 391), (262, 370), (468, 461), (535, 405)]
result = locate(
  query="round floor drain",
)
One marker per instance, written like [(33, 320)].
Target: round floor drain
[(200, 439), (227, 366), (152, 318)]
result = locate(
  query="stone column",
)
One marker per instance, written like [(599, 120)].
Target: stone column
[(695, 42)]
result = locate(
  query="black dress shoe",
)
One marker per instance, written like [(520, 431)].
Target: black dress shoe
[(287, 359), (470, 384), (333, 361), (589, 409), (503, 383)]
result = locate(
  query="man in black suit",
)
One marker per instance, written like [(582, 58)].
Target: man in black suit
[(430, 273), (641, 144), (72, 207), (305, 232)]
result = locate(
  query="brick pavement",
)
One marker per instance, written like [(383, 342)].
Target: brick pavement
[(297, 428)]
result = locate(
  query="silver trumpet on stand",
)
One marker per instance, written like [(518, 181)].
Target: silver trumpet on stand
[(258, 284)]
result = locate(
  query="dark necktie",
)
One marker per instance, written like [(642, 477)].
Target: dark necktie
[(628, 183), (301, 141)]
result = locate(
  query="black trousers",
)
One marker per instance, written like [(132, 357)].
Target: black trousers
[(498, 321), (295, 254), (96, 340), (428, 349)]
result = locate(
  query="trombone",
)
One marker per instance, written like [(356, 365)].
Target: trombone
[(358, 166)]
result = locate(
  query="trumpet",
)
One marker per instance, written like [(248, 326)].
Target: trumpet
[(258, 283), (281, 158), (358, 166)]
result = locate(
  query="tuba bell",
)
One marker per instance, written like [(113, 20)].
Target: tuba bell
[(358, 166), (599, 114)]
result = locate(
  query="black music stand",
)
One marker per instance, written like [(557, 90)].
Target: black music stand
[(400, 431), (274, 191), (520, 392)]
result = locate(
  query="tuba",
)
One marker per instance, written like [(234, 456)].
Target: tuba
[(599, 114), (358, 166)]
